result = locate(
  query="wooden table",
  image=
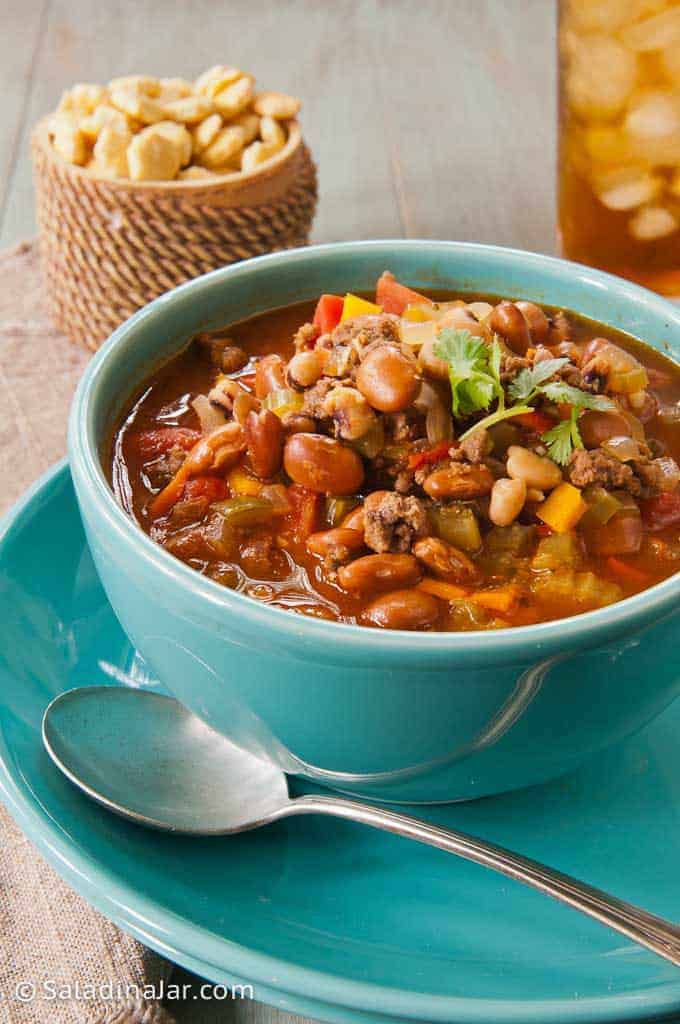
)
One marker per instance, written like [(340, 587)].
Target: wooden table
[(428, 118)]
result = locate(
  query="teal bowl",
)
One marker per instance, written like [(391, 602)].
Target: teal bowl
[(391, 715)]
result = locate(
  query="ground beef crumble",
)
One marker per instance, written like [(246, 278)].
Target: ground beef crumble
[(368, 330), (596, 467), (393, 522)]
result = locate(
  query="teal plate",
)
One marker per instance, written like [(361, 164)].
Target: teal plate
[(326, 918)]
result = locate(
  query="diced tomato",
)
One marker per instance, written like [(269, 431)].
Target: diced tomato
[(305, 512), (430, 455), (537, 421), (211, 487), (328, 312), (661, 512), (543, 530), (157, 442), (628, 572), (395, 297)]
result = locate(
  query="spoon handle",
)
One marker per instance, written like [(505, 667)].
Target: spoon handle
[(662, 937)]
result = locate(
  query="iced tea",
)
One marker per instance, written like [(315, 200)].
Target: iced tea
[(619, 153)]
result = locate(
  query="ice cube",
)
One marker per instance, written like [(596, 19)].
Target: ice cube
[(655, 33), (607, 145), (625, 188), (601, 77), (652, 222), (653, 115)]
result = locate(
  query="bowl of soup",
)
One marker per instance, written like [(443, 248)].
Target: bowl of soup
[(403, 517)]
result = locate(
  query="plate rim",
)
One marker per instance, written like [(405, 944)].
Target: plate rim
[(192, 945)]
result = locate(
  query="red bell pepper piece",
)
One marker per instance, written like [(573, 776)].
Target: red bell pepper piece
[(430, 455), (152, 443), (328, 312), (661, 512), (395, 297), (628, 572), (303, 518), (537, 421), (211, 487)]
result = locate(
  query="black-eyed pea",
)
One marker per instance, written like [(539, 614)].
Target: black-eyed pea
[(508, 321), (507, 501), (305, 368), (374, 573), (388, 379), (402, 609), (535, 470), (233, 99), (351, 413), (276, 104), (536, 320)]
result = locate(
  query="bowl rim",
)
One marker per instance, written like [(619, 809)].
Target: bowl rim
[(588, 628)]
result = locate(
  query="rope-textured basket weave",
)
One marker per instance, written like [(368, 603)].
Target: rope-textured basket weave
[(109, 247)]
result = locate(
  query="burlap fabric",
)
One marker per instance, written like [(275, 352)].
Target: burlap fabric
[(49, 937)]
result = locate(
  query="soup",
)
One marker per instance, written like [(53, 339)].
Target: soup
[(410, 461)]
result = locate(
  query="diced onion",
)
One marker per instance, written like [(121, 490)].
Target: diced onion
[(416, 334), (625, 449), (283, 400), (439, 424)]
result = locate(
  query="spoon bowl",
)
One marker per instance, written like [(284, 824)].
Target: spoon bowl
[(146, 757)]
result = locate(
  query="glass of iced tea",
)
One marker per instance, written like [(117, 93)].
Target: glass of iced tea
[(619, 145)]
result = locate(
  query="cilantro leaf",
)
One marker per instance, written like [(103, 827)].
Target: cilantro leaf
[(563, 438), (529, 379), (562, 393), (473, 383)]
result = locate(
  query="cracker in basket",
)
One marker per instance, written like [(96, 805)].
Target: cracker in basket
[(206, 132), (215, 79), (152, 156), (250, 124), (225, 149), (110, 151), (103, 115), (178, 134), (235, 98), (137, 105), (82, 98), (276, 104), (257, 153), (143, 85), (195, 172), (174, 89), (272, 133), (67, 138), (189, 110)]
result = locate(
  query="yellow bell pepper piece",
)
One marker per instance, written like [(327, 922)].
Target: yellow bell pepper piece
[(356, 306), (242, 484), (416, 314), (562, 510)]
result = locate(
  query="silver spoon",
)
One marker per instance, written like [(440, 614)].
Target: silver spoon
[(148, 758)]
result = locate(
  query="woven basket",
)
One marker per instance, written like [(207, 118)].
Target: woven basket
[(109, 247)]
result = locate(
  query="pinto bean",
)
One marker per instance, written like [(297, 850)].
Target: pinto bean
[(331, 543), (445, 561), (507, 501), (374, 573), (508, 321), (459, 481), (536, 320), (402, 609), (388, 379), (355, 520), (270, 374), (297, 423), (596, 427), (322, 464), (306, 367), (460, 318), (217, 451), (534, 470), (264, 434)]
